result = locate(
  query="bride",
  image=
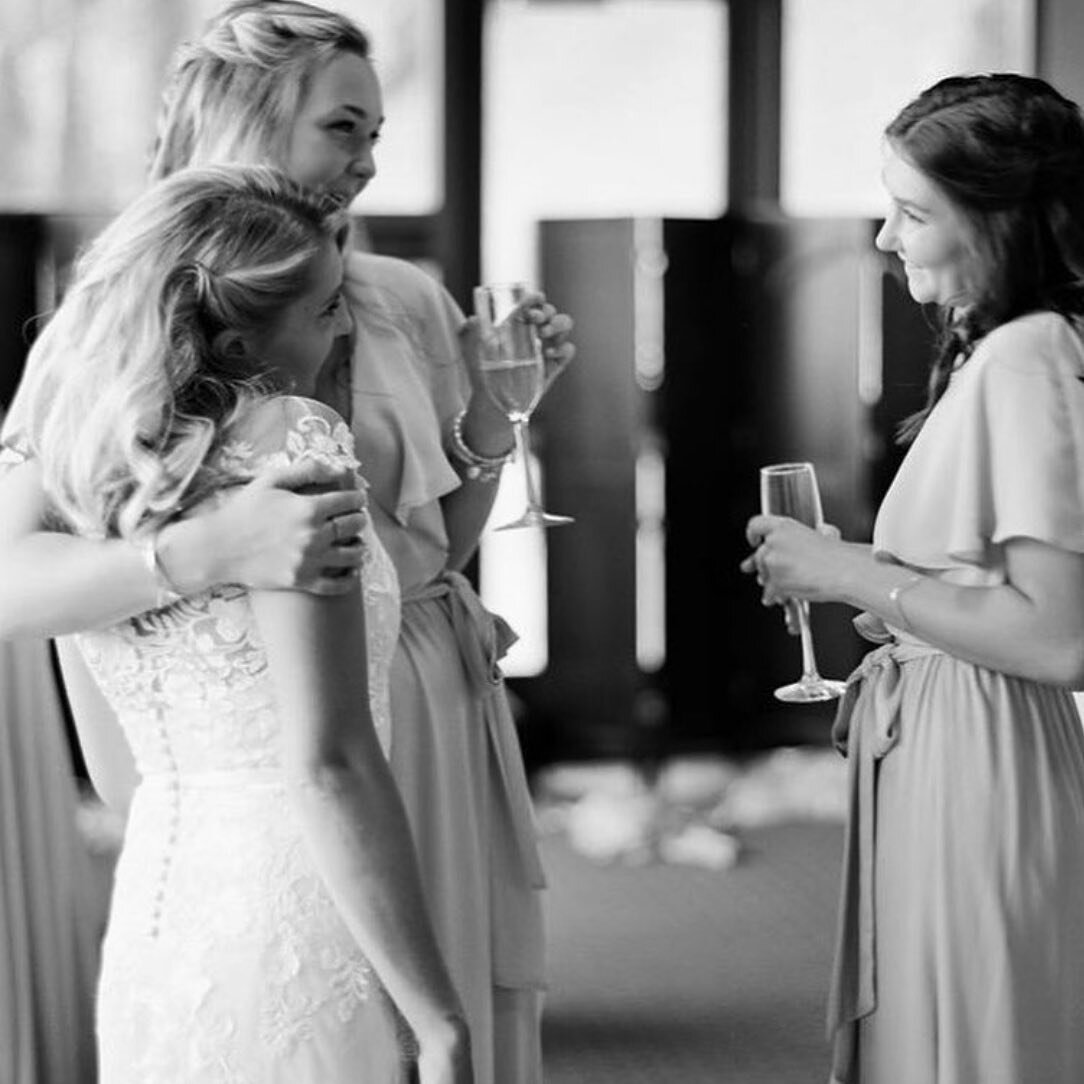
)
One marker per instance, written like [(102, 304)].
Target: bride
[(267, 922)]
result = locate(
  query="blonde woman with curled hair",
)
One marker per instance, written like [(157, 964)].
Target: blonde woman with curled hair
[(294, 85), (267, 920)]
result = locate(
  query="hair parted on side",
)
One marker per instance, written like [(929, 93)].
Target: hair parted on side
[(124, 396), (234, 93), (1008, 152)]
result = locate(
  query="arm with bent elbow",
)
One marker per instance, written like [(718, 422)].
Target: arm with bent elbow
[(1032, 626), (262, 535), (352, 815)]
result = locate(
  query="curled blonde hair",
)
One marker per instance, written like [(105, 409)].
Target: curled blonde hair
[(125, 396), (233, 95)]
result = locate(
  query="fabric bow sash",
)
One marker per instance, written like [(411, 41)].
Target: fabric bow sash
[(483, 640), (866, 729)]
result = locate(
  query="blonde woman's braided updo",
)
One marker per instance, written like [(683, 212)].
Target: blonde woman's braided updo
[(234, 93), (125, 395)]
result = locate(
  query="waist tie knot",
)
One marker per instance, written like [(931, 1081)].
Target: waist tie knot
[(483, 639), (865, 730)]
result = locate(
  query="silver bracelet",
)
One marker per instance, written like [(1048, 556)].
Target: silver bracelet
[(167, 594), (478, 468), (894, 598)]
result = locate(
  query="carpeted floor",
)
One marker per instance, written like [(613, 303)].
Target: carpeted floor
[(667, 974)]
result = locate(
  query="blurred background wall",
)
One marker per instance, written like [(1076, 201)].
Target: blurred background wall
[(696, 182)]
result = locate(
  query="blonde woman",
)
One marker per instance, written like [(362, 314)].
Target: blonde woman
[(267, 922), (294, 85)]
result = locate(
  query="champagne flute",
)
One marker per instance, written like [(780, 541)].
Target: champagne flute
[(513, 372), (790, 489)]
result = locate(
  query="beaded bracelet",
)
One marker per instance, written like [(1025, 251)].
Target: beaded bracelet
[(479, 468), (894, 598), (167, 594)]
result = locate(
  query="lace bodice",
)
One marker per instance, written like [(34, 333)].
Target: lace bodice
[(190, 682), (226, 959)]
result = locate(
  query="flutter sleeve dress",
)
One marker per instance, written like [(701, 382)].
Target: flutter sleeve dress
[(456, 755), (960, 953), (49, 915)]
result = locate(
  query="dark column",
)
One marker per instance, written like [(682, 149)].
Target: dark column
[(22, 237), (458, 241), (755, 65)]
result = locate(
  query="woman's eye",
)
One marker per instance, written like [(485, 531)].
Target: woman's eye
[(334, 306)]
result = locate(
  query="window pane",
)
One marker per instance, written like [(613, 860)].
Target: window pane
[(80, 85), (599, 109), (848, 68), (605, 110)]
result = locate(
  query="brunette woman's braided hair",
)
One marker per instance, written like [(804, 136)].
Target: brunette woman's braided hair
[(1008, 151)]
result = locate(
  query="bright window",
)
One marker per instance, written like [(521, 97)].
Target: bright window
[(592, 110), (850, 65), (80, 85)]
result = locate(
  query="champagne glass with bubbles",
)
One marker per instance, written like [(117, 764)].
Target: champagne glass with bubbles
[(790, 489), (513, 373)]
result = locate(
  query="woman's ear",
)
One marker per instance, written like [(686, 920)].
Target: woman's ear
[(231, 345)]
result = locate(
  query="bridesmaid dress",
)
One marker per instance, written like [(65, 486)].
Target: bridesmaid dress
[(48, 911)]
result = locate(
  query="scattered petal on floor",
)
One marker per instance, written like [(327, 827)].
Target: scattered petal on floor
[(687, 810)]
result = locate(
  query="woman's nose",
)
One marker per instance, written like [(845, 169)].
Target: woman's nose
[(364, 165), (886, 236)]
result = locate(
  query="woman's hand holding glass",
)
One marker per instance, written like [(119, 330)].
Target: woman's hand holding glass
[(512, 372), (793, 561), (486, 427), (790, 506)]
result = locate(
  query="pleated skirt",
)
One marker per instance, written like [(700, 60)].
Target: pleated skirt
[(456, 759), (48, 911), (977, 881)]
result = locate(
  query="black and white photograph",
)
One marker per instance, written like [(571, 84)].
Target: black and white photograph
[(541, 542)]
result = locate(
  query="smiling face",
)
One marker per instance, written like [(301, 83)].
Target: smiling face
[(927, 232), (295, 345), (330, 148)]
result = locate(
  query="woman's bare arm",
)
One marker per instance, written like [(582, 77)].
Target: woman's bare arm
[(262, 536), (467, 508), (1031, 626), (350, 809), (53, 583), (105, 749)]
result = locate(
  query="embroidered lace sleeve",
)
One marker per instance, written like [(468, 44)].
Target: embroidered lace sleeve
[(284, 430)]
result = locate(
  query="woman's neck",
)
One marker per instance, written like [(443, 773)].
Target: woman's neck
[(333, 387)]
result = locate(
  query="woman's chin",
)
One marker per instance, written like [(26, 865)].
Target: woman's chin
[(920, 291)]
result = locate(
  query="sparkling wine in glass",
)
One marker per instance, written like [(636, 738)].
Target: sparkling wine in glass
[(513, 372), (790, 489)]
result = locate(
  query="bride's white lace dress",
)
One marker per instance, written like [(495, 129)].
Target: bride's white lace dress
[(225, 959)]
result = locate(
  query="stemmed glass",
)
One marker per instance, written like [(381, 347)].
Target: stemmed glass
[(790, 489), (513, 372)]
